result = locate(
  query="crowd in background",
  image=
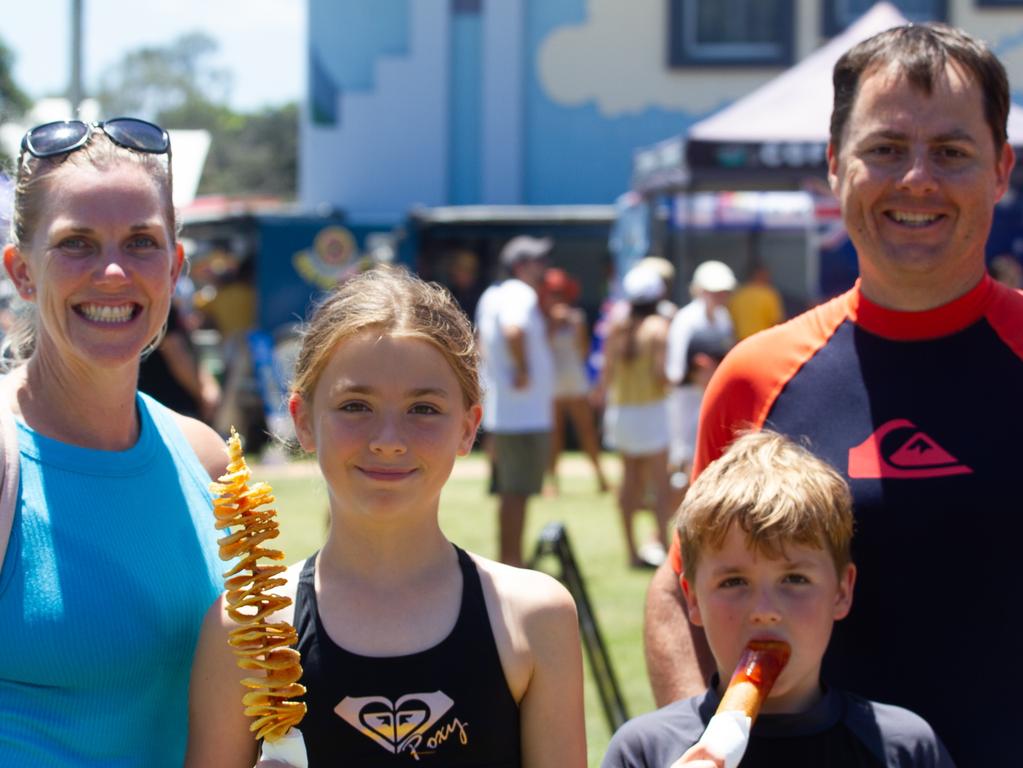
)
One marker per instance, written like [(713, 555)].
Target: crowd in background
[(631, 382)]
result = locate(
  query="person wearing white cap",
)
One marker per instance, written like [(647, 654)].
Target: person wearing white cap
[(518, 377), (635, 420), (711, 288), (666, 270)]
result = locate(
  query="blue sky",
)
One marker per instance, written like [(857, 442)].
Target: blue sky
[(262, 42)]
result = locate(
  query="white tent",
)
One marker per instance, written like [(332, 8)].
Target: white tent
[(796, 105), (776, 136)]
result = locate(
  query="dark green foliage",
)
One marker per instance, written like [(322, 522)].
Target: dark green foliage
[(180, 86), (13, 100)]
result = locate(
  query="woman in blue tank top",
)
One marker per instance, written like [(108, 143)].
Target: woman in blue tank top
[(413, 651), (108, 554)]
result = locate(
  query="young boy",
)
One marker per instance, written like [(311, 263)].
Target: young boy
[(765, 533)]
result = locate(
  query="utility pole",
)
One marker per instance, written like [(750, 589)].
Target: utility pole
[(75, 93)]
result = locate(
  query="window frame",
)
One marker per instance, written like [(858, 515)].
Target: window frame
[(830, 26), (466, 7), (681, 55)]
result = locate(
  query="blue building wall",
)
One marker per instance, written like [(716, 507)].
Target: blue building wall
[(576, 154), (441, 102), (503, 99), (465, 143), (384, 68)]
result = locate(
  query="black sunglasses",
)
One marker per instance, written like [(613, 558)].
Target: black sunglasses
[(65, 136)]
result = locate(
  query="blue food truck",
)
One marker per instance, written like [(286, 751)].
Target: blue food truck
[(289, 258)]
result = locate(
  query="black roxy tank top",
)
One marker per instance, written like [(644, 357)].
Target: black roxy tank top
[(446, 706)]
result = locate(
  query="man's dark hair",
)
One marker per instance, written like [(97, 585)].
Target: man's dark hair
[(921, 52)]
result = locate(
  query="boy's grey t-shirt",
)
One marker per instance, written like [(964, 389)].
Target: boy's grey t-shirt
[(840, 731)]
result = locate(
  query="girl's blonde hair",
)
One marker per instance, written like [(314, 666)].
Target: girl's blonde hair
[(393, 302)]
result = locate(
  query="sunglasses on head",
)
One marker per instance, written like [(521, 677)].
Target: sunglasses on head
[(66, 136)]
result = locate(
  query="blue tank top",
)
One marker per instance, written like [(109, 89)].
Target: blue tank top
[(446, 706), (111, 565)]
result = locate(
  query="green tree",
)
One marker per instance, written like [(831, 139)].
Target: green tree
[(180, 86), (13, 101), (152, 80), (255, 153)]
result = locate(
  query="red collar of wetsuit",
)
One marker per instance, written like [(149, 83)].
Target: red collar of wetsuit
[(916, 326)]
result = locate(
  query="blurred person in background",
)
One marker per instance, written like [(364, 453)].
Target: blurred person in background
[(707, 312), (1006, 269), (756, 304), (518, 371), (666, 270), (174, 375), (707, 348), (229, 306), (462, 278), (635, 418), (569, 338)]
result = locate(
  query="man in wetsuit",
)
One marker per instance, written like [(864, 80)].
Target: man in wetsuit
[(902, 385)]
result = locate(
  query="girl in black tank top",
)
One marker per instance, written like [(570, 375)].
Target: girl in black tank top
[(448, 705), (413, 651)]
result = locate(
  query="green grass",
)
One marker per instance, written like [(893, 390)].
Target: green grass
[(469, 518)]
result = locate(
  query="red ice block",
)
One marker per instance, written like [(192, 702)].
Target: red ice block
[(758, 668)]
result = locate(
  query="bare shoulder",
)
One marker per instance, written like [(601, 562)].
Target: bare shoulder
[(207, 444), (532, 617), (524, 594)]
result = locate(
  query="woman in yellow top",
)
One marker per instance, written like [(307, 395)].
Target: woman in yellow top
[(636, 418)]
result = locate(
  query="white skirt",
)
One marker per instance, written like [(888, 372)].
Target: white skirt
[(637, 430)]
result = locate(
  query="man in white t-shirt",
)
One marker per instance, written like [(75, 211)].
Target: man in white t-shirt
[(518, 379), (711, 287)]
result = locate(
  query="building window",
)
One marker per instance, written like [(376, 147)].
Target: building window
[(730, 32), (839, 14), (467, 7)]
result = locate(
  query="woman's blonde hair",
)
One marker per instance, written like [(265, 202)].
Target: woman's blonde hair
[(777, 492), (393, 302)]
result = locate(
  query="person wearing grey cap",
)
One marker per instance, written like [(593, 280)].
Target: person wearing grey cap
[(518, 375), (711, 288)]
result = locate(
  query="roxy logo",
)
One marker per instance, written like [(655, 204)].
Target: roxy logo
[(455, 729), (403, 725)]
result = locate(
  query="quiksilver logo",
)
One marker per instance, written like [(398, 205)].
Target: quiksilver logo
[(898, 449)]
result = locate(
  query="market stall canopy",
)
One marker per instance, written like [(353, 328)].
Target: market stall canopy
[(775, 137)]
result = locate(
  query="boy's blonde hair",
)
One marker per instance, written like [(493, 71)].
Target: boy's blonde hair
[(777, 492)]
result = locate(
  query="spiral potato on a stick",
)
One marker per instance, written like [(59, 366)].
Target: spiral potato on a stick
[(260, 646)]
